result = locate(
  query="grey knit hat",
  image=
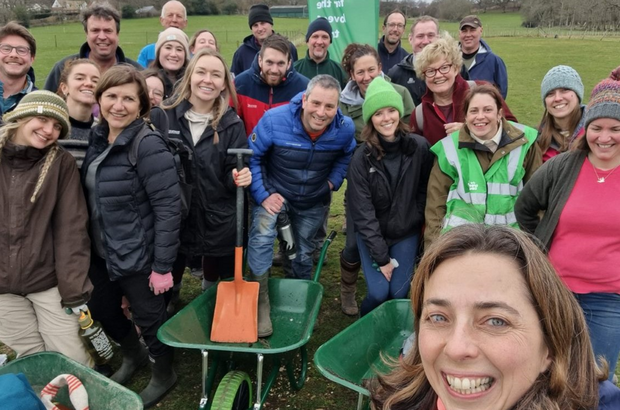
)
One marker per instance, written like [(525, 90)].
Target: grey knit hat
[(41, 103), (604, 101), (561, 76)]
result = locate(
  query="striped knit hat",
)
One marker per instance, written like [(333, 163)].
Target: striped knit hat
[(41, 103), (604, 101)]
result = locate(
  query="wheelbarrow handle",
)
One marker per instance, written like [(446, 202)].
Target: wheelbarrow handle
[(330, 238)]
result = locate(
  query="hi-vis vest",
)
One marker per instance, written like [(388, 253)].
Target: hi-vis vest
[(477, 197)]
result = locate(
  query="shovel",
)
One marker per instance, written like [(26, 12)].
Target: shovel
[(235, 319)]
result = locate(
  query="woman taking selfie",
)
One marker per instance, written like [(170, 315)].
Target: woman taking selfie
[(488, 341)]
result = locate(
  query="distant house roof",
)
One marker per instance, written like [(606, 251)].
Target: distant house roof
[(70, 4), (146, 10)]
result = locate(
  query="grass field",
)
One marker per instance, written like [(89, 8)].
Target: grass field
[(527, 59)]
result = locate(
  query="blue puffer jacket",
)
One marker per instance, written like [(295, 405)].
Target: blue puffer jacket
[(139, 207), (288, 162), (489, 67)]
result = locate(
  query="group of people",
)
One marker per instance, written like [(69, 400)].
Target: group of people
[(98, 216)]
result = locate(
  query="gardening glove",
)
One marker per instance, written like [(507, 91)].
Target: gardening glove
[(160, 282), (76, 310)]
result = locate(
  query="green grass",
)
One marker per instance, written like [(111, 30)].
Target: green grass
[(527, 59)]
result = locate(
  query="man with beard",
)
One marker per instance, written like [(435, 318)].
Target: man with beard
[(261, 24), (390, 51), (317, 61), (102, 25), (270, 82), (17, 50), (301, 154)]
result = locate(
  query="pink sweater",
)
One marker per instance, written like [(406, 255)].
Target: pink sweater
[(585, 249)]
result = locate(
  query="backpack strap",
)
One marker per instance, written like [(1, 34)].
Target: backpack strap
[(419, 118), (135, 144)]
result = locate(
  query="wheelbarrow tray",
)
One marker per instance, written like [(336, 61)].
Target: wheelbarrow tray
[(103, 393), (295, 305), (355, 354)]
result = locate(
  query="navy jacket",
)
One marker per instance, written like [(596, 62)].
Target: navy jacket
[(288, 162), (489, 67), (243, 57), (139, 207), (389, 60), (211, 224)]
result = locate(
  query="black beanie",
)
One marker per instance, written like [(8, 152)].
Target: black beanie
[(320, 24), (259, 12)]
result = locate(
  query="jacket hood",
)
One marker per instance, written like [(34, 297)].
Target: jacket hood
[(407, 63), (351, 94), (250, 41)]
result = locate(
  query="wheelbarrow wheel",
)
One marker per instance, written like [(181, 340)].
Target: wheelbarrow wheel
[(234, 392), (297, 366)]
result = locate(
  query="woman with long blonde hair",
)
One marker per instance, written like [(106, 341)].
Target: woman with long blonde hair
[(200, 116)]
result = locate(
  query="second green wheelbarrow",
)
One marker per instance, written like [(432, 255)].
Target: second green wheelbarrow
[(295, 305), (356, 354)]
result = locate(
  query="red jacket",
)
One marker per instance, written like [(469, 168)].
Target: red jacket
[(434, 120)]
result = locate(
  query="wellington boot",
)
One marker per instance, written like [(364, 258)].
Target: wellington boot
[(264, 308), (163, 378), (348, 286), (135, 356)]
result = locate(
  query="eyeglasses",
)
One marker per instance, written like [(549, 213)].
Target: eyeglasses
[(431, 72), (21, 50), (396, 25)]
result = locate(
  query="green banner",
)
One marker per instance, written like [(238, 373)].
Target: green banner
[(352, 21)]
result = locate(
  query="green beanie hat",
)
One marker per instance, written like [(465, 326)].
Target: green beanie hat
[(41, 103), (381, 94)]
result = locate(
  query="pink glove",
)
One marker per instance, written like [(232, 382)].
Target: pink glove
[(160, 282)]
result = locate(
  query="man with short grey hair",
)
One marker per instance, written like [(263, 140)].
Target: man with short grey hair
[(173, 14), (301, 154)]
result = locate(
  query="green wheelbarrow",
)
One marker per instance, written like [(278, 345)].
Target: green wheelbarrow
[(103, 393), (355, 354), (295, 305)]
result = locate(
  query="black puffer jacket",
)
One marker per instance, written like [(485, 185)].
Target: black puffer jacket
[(210, 227), (139, 207), (380, 216)]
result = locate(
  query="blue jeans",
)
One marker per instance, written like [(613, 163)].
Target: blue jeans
[(379, 288), (602, 312), (305, 224)]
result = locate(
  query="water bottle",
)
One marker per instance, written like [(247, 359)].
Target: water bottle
[(285, 232), (94, 338)]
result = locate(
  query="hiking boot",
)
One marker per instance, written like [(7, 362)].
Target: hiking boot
[(348, 286), (265, 328), (134, 354), (163, 378)]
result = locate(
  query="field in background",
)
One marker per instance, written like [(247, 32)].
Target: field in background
[(527, 59)]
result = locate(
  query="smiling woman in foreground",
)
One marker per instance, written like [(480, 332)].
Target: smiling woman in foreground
[(496, 330)]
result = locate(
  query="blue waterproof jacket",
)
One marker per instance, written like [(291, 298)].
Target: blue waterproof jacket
[(488, 66), (288, 162)]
